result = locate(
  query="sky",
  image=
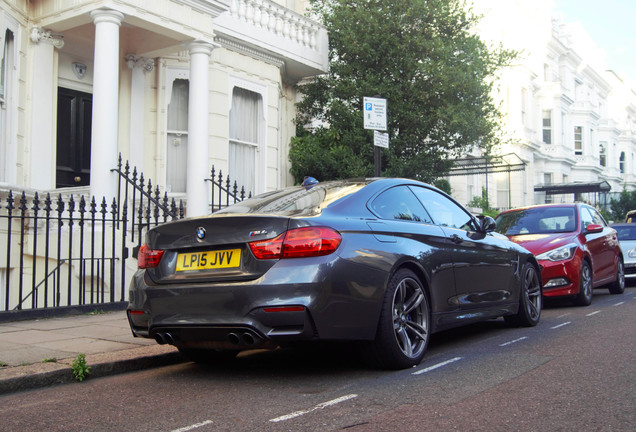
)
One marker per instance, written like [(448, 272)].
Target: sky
[(612, 26)]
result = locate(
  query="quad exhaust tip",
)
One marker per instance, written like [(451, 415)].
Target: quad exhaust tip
[(246, 338), (164, 338)]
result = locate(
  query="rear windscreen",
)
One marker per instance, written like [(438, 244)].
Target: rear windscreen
[(626, 232), (296, 201)]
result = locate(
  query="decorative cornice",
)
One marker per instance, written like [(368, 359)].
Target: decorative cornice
[(133, 61), (251, 52), (38, 34)]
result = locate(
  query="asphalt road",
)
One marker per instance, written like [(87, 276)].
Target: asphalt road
[(575, 371)]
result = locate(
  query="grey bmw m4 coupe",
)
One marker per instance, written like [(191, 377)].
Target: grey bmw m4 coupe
[(382, 262)]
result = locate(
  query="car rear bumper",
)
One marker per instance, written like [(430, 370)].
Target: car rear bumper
[(341, 303)]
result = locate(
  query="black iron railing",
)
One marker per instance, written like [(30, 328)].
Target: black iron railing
[(151, 207), (224, 192), (59, 252), (68, 250)]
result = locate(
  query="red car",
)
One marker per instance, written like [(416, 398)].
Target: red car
[(575, 247)]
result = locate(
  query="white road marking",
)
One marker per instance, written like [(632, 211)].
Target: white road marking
[(561, 325), (438, 365), (513, 341), (317, 407), (593, 313), (194, 426), (619, 303)]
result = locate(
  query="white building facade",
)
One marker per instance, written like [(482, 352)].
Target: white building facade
[(174, 86), (569, 119)]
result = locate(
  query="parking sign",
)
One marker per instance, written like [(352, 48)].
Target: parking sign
[(374, 111)]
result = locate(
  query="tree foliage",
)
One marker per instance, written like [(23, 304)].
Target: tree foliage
[(434, 71), (619, 207)]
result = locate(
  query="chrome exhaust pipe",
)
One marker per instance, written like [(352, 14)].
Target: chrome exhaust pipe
[(169, 339), (233, 338), (160, 338), (248, 339)]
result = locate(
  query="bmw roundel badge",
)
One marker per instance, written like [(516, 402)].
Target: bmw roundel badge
[(200, 233)]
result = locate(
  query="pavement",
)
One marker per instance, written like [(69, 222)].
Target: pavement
[(40, 352)]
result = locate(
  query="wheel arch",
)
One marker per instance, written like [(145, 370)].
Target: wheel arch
[(419, 272)]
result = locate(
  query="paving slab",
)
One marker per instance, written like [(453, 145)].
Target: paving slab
[(104, 338)]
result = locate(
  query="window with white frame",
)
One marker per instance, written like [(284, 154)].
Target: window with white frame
[(470, 188), (503, 190), (7, 64), (246, 123), (621, 163), (547, 126), (578, 140), (177, 145), (602, 153), (547, 179)]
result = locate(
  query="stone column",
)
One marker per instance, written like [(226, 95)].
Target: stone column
[(105, 103), (42, 109), (139, 66), (197, 189)]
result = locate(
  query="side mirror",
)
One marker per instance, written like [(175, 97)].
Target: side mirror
[(487, 224), (593, 228)]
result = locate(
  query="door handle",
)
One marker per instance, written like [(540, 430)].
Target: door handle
[(77, 179), (456, 239)]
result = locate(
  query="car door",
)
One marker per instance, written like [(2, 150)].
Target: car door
[(483, 264), (601, 246), (406, 230)]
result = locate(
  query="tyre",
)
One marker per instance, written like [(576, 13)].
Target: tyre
[(530, 299), (202, 355), (618, 286), (584, 297), (403, 330)]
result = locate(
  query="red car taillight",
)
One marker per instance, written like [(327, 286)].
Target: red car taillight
[(148, 258), (298, 243)]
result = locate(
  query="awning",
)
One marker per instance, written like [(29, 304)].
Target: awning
[(576, 187), (482, 165)]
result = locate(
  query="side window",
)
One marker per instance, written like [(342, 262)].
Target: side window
[(586, 217), (598, 219), (399, 203), (444, 211)]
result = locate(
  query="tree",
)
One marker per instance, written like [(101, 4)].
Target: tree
[(483, 204), (422, 56), (619, 207)]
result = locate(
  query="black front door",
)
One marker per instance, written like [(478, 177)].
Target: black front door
[(74, 115)]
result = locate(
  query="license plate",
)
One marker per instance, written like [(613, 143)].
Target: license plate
[(209, 260)]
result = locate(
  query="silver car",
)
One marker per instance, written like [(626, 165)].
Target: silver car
[(627, 239)]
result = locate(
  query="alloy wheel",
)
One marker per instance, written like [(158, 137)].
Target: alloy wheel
[(410, 317), (532, 291)]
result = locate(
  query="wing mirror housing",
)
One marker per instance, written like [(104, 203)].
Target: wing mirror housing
[(593, 228), (487, 224)]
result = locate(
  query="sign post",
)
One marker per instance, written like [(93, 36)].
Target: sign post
[(374, 111)]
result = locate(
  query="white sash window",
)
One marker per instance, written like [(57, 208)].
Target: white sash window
[(246, 120), (7, 108), (177, 145)]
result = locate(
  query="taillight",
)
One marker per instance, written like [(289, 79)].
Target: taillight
[(148, 258), (268, 249), (298, 243)]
